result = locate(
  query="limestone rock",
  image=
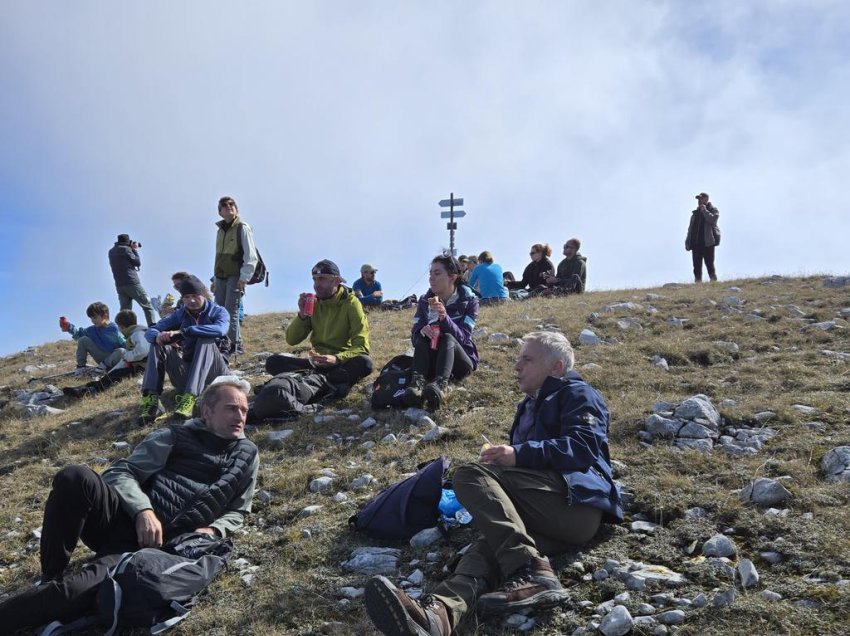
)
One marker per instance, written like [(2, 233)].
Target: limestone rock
[(698, 407), (748, 573), (426, 537), (321, 484), (836, 464), (617, 622), (370, 561), (588, 338), (719, 546), (764, 492)]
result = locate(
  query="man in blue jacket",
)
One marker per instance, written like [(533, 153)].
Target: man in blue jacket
[(546, 491), (187, 345)]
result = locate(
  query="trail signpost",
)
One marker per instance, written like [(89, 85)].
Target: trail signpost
[(451, 214)]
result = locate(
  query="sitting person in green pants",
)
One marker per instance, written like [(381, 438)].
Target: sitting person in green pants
[(546, 491)]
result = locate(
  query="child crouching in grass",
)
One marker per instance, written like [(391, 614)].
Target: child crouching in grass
[(132, 362), (102, 341)]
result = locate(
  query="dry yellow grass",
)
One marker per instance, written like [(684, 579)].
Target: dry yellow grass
[(779, 364)]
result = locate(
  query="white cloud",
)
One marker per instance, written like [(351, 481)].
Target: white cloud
[(337, 127)]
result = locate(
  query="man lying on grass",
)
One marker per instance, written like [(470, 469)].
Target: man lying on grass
[(547, 491), (197, 476)]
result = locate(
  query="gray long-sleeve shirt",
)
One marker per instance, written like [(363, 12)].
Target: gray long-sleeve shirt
[(148, 458)]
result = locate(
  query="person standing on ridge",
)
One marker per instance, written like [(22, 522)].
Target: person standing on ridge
[(125, 263), (235, 260), (703, 236)]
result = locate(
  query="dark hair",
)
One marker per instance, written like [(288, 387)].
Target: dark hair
[(542, 247), (126, 318), (225, 200), (450, 264), (180, 275), (576, 242), (508, 277), (485, 257), (97, 309)]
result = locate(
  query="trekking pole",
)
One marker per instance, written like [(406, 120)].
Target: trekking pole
[(51, 377)]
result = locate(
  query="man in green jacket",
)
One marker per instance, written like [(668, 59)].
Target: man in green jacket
[(338, 330)]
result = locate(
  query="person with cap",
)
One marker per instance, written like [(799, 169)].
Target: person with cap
[(338, 330), (235, 260), (366, 288), (190, 345), (703, 236), (125, 263)]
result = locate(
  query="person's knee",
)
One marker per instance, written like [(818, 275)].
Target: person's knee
[(71, 478), (466, 477)]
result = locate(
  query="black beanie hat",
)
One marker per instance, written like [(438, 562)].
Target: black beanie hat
[(191, 285)]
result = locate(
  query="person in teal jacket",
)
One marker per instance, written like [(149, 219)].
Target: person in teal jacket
[(489, 278), (338, 330), (102, 341)]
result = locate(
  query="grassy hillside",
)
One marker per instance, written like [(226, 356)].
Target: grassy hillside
[(294, 587)]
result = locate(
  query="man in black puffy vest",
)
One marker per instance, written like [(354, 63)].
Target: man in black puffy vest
[(197, 476)]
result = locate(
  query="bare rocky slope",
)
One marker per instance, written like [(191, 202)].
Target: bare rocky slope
[(729, 412)]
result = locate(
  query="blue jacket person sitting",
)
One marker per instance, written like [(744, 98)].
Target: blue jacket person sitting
[(548, 490)]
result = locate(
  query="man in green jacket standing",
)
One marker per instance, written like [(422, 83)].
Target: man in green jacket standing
[(235, 260), (338, 330)]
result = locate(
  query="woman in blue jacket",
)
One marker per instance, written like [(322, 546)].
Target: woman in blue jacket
[(443, 348)]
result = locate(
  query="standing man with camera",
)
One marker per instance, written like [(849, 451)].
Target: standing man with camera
[(703, 236), (235, 260), (125, 263)]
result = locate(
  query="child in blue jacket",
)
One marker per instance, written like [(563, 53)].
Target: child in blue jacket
[(102, 341)]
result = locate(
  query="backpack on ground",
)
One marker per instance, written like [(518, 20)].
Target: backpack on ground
[(261, 274), (153, 588), (287, 393), (406, 507), (388, 390)]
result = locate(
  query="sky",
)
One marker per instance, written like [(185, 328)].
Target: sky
[(338, 126)]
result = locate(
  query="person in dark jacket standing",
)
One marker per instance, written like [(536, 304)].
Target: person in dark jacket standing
[(235, 260), (546, 491), (703, 236), (195, 477), (441, 334), (187, 345), (125, 263)]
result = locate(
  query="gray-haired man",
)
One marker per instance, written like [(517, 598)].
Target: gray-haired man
[(546, 491)]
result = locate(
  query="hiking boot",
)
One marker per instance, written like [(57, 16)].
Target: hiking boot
[(77, 391), (413, 393), (533, 585), (435, 393), (81, 371), (184, 405), (394, 613), (150, 408)]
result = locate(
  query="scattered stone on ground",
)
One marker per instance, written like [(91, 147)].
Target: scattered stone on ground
[(370, 561), (836, 464), (764, 492)]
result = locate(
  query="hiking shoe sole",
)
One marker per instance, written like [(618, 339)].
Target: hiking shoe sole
[(387, 612), (546, 598)]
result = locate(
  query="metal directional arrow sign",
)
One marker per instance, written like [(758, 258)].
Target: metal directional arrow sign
[(445, 203), (457, 214)]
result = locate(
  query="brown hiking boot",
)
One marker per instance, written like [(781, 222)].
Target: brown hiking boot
[(533, 585), (396, 614)]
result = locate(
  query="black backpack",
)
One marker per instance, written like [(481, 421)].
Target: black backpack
[(261, 274), (287, 393), (388, 389), (406, 507), (153, 588)]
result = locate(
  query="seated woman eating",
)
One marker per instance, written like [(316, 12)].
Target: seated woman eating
[(442, 335)]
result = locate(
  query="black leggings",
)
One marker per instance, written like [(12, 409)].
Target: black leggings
[(349, 372), (448, 360)]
